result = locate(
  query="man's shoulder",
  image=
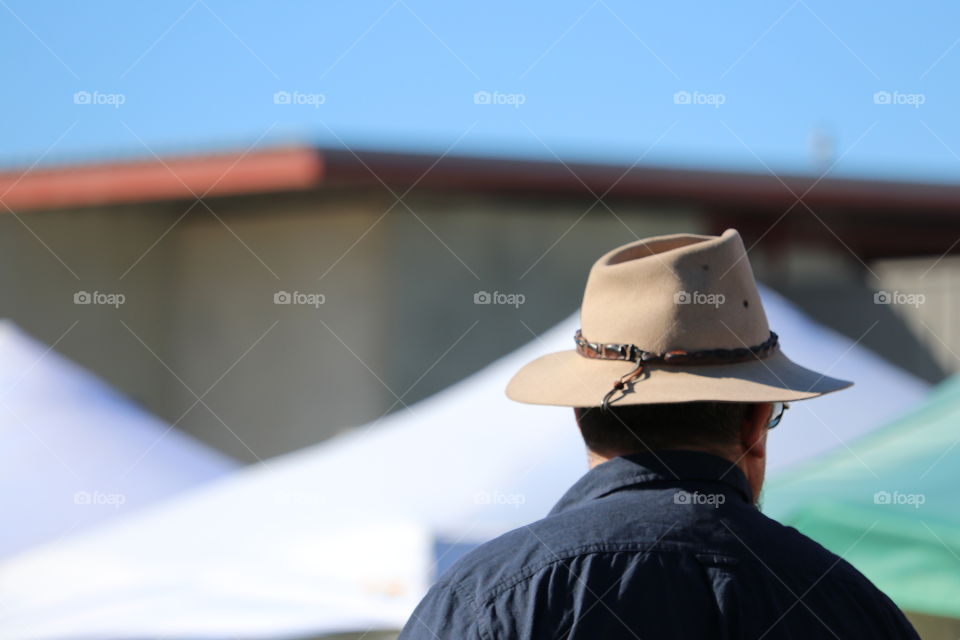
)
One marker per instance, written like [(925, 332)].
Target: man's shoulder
[(800, 564), (512, 558), (495, 563), (784, 547)]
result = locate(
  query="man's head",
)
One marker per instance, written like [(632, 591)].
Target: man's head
[(733, 430)]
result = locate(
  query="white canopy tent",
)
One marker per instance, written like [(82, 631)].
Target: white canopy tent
[(346, 535), (74, 452)]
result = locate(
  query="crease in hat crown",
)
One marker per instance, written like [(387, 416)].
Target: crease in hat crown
[(680, 291)]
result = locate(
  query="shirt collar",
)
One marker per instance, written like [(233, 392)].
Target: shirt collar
[(653, 466)]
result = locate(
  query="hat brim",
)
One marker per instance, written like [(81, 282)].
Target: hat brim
[(568, 379)]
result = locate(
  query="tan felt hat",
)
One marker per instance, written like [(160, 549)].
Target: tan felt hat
[(674, 318)]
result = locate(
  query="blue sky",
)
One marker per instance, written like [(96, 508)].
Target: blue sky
[(584, 80)]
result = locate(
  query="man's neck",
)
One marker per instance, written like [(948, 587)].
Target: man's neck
[(595, 459), (755, 480)]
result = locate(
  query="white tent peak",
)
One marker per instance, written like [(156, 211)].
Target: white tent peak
[(77, 451)]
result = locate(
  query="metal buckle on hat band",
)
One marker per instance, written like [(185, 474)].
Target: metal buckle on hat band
[(610, 351)]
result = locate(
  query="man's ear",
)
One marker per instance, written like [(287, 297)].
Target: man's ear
[(753, 431)]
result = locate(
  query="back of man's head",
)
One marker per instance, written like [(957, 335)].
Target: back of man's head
[(701, 426)]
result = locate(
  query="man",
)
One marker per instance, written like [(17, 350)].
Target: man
[(675, 381)]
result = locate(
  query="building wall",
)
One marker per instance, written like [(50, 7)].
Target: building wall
[(49, 257), (924, 294), (398, 321), (280, 377), (202, 343)]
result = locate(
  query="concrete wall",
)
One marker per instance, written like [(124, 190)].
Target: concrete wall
[(200, 341), (398, 319), (924, 294), (48, 257), (282, 377)]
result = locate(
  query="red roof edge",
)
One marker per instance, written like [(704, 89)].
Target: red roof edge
[(172, 178), (304, 167)]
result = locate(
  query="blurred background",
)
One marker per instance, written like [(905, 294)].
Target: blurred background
[(267, 268)]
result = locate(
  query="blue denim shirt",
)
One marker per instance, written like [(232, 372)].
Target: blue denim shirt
[(666, 544)]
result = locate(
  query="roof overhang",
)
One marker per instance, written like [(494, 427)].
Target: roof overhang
[(302, 167)]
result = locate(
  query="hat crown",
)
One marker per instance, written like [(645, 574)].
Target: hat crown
[(681, 291)]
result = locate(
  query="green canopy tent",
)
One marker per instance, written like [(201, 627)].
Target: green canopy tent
[(889, 503)]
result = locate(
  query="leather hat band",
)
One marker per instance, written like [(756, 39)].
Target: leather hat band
[(633, 353)]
